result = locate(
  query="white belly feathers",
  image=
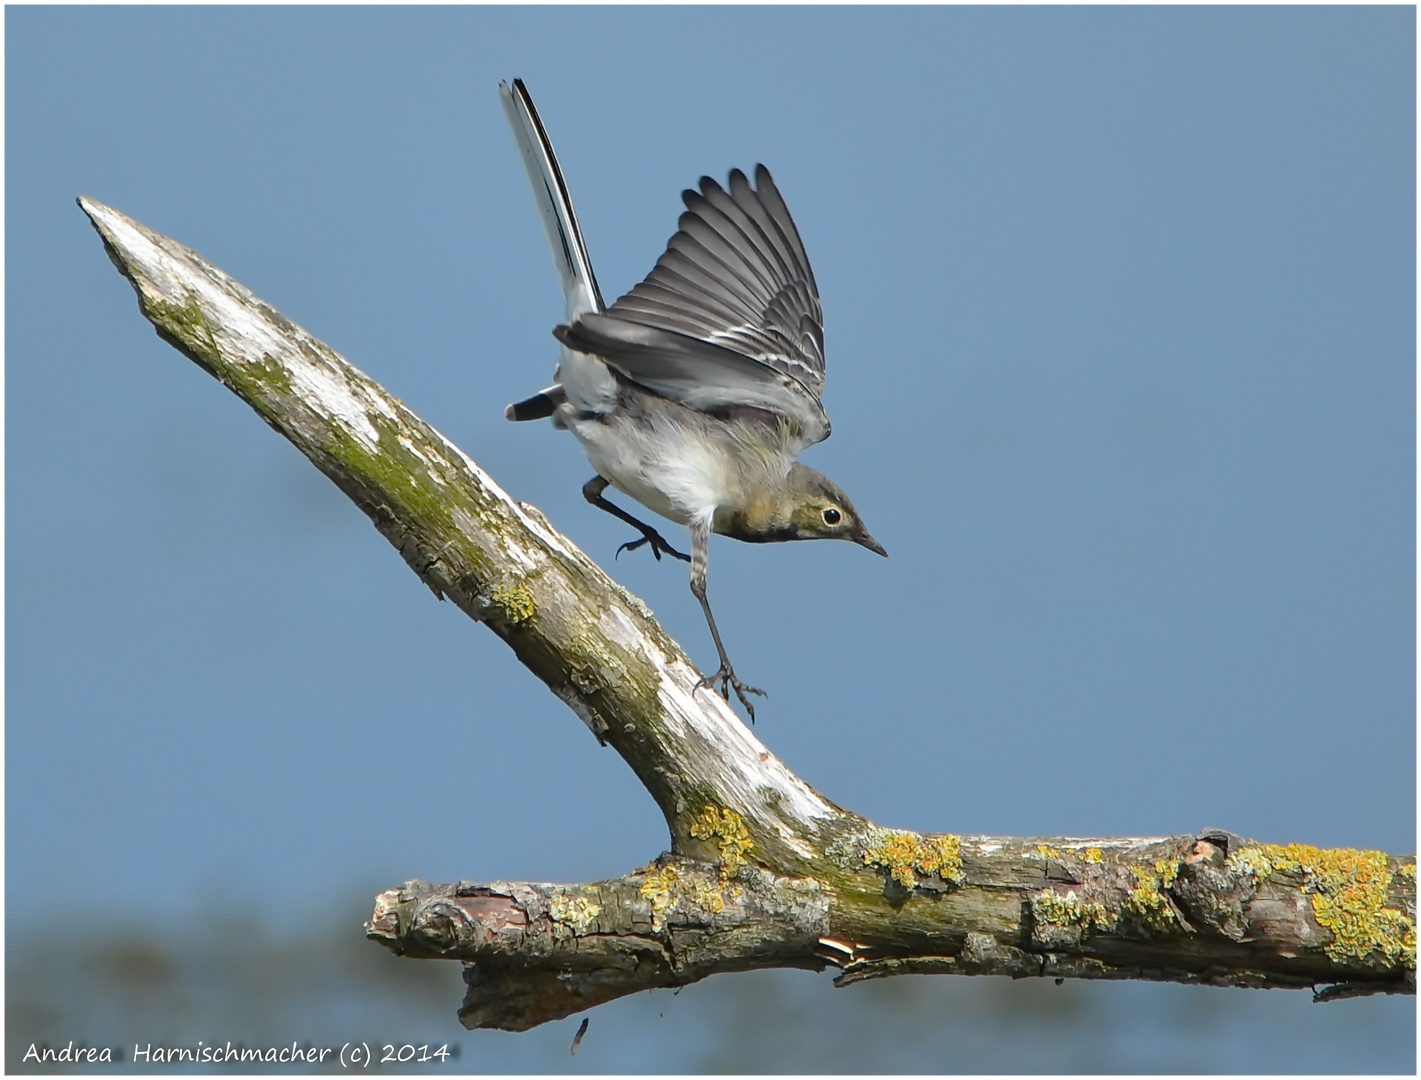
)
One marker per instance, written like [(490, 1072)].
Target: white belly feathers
[(664, 466)]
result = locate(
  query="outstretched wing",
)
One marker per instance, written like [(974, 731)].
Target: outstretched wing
[(735, 274), (729, 315)]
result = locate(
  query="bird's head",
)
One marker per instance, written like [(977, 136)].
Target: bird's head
[(810, 506)]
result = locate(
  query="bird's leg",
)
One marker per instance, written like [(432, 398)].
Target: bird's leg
[(592, 492), (700, 543)]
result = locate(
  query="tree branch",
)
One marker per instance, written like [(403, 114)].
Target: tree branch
[(764, 871)]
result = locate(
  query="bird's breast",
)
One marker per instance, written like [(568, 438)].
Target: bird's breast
[(683, 464)]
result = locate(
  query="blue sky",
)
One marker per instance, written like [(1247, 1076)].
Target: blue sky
[(1120, 309)]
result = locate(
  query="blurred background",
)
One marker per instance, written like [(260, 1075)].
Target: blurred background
[(1121, 331)]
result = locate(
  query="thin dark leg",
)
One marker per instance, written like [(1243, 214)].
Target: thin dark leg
[(700, 537), (592, 492)]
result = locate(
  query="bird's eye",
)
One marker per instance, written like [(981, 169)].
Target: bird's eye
[(831, 516)]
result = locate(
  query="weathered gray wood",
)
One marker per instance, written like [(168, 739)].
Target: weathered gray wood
[(763, 871)]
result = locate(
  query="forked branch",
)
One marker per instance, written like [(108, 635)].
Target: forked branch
[(763, 871)]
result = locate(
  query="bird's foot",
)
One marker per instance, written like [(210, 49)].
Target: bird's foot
[(725, 675), (658, 545)]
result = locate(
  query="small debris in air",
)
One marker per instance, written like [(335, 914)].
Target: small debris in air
[(581, 1031)]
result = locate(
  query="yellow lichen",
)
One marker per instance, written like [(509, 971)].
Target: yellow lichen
[(577, 911), (1250, 860), (1068, 909), (708, 898), (1047, 853), (1348, 889), (906, 854), (660, 889), (1146, 900), (666, 887), (1168, 870), (1398, 927), (727, 827), (517, 603)]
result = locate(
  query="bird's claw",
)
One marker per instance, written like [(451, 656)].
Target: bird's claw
[(725, 675), (658, 545)]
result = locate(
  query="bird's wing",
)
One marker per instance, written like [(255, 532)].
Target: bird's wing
[(729, 315), (574, 268)]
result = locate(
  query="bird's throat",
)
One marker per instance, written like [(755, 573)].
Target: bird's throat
[(764, 519)]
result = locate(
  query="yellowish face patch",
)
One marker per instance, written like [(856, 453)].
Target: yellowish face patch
[(821, 518)]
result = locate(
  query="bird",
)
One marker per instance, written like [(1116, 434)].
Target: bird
[(694, 393)]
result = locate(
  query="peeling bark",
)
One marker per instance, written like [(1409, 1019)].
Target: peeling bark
[(763, 871)]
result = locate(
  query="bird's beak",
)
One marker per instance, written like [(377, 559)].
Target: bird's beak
[(864, 540)]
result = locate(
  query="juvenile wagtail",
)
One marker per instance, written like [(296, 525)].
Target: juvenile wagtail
[(694, 392)]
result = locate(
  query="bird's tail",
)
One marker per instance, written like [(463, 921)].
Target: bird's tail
[(574, 268), (586, 380), (538, 407)]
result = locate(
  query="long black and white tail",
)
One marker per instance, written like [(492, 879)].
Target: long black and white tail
[(574, 268), (582, 379)]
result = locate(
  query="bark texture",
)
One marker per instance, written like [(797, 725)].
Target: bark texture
[(763, 870)]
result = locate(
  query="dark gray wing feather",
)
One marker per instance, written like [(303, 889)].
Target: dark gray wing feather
[(735, 281), (736, 274)]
